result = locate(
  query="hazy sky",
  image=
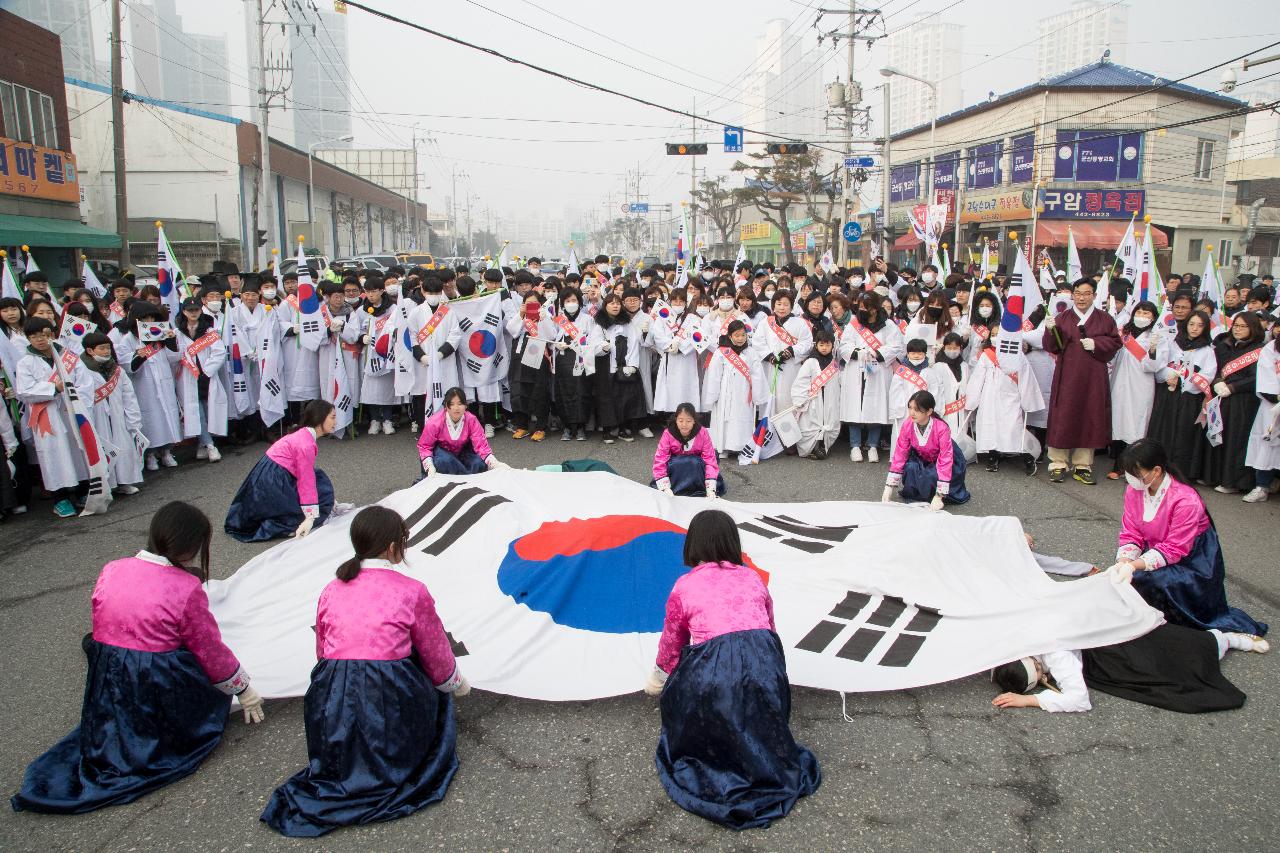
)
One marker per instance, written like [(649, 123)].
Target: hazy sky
[(535, 145)]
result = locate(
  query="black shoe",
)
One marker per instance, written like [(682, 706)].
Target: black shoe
[(993, 463), (1030, 466), (1084, 476), (1058, 475), (819, 452)]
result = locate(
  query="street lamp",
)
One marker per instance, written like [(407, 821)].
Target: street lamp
[(311, 180), (890, 71)]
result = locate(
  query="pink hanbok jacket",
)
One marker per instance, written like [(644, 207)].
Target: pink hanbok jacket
[(701, 445), (1171, 533), (435, 433), (711, 600), (296, 453), (935, 447)]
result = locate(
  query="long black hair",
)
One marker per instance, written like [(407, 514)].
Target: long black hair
[(924, 402), (712, 538), (454, 394), (1144, 305), (181, 534), (1146, 454), (687, 409), (374, 530), (314, 413)]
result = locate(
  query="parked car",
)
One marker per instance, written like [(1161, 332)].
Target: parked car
[(416, 259)]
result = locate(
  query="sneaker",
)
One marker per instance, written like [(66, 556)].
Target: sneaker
[(1246, 642), (202, 452), (626, 435), (568, 435), (509, 427), (582, 435), (1226, 490), (873, 454), (127, 490), (1030, 466), (375, 427), (21, 509), (645, 432), (519, 434), (993, 463), (1084, 475), (388, 428), (1257, 496), (538, 435), (488, 430), (167, 460), (855, 455), (611, 436), (819, 452), (152, 464), (212, 454), (64, 509), (1057, 475)]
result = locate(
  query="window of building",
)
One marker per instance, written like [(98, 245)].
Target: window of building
[(28, 115), (1194, 249), (1204, 158), (1224, 252)]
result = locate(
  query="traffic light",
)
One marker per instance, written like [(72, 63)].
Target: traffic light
[(787, 148), (686, 148)]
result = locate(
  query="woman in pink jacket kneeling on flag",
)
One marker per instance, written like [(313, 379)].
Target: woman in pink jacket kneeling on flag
[(453, 442), (685, 462)]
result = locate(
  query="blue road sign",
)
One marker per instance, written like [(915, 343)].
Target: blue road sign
[(852, 232), (638, 207), (859, 162), (732, 140)]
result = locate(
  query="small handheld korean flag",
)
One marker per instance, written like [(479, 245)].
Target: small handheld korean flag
[(312, 333), (764, 443), (74, 329), (91, 282), (151, 331), (1023, 298), (169, 278), (11, 289), (742, 256)]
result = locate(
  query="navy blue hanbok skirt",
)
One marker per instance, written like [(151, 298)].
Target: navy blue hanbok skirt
[(920, 478), (465, 461), (1193, 592), (381, 742), (688, 475), (726, 752), (266, 506), (148, 719)]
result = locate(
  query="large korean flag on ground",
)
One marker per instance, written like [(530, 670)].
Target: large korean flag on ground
[(553, 586), (482, 356)]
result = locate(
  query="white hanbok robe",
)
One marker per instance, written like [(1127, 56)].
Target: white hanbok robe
[(1133, 386), (677, 380), (349, 359), (1002, 403), (157, 393), (440, 373), (732, 400), (118, 420), (1043, 366), (1202, 361), (210, 362), (62, 464), (376, 389), (946, 389), (1265, 455), (818, 416), (781, 376), (864, 387), (247, 334), (300, 368), (642, 330)]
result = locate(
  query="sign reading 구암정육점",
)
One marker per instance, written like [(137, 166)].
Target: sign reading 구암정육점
[(36, 172), (1092, 204)]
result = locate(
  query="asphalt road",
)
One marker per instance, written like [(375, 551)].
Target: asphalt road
[(925, 769)]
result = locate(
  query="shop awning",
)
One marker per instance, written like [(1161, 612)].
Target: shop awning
[(907, 242), (47, 233), (1092, 235)]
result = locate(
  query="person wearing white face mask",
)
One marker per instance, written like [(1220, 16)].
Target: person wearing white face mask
[(1169, 548), (929, 276), (436, 335), (1133, 379), (573, 365), (114, 411)]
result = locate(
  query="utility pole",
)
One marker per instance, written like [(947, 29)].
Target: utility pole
[(117, 134), (845, 198), (264, 203), (416, 230), (693, 186), (886, 172)]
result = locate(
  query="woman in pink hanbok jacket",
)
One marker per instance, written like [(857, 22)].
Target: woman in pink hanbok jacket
[(685, 462)]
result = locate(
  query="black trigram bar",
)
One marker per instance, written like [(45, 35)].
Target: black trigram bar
[(450, 509), (309, 326), (459, 647), (465, 323), (924, 621), (888, 612), (860, 644), (818, 539), (820, 636), (903, 650), (491, 319), (433, 500), (273, 387), (813, 531), (463, 524), (473, 365), (851, 606)]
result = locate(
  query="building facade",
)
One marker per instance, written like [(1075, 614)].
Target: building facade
[(785, 89), (932, 49), (1080, 35), (39, 182), (1086, 151), (71, 21), (321, 91), (171, 63)]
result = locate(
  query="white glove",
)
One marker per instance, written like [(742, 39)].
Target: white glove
[(655, 682), (304, 528), (561, 346), (1121, 573), (887, 495), (1087, 343), (628, 371), (463, 688), (606, 347), (426, 359), (336, 324), (711, 489), (936, 503), (364, 339), (644, 327), (428, 466), (251, 704), (493, 463), (673, 346), (1222, 389)]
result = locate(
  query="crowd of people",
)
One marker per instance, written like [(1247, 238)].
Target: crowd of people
[(840, 352)]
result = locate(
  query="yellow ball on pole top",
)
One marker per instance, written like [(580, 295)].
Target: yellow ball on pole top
[(1013, 235), (275, 251), (302, 238), (1147, 218), (159, 224), (1208, 249), (3, 253), (26, 248)]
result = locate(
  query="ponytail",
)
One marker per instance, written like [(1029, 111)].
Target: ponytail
[(349, 569), (374, 531)]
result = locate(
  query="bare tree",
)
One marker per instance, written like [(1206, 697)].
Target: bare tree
[(778, 182), (721, 204), (346, 213)]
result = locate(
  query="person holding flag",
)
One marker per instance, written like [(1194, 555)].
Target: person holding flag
[(732, 388), (1085, 339), (432, 338), (115, 414), (1235, 399), (869, 347), (201, 391), (148, 351), (1133, 380), (43, 375), (784, 341), (815, 393), (376, 329)]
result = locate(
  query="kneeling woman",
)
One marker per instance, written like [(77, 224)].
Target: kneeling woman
[(453, 442), (685, 462), (1170, 548), (927, 465), (726, 752), (160, 678), (381, 736), (285, 494)]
